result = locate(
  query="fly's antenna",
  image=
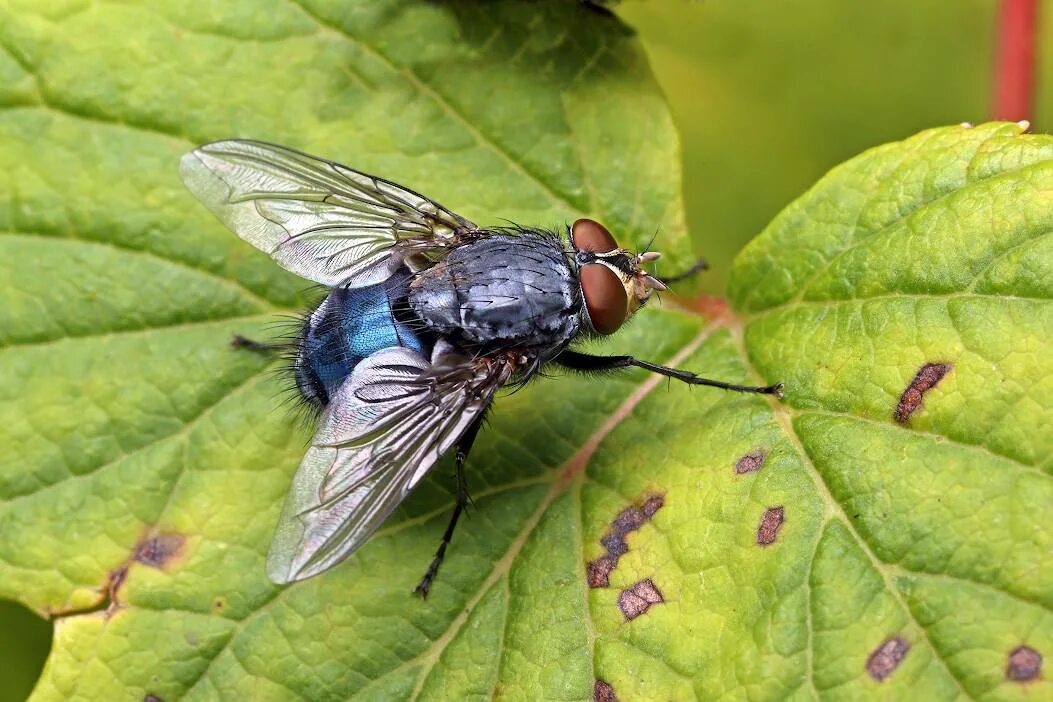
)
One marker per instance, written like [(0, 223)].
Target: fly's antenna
[(653, 238)]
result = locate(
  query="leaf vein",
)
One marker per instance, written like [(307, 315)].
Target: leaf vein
[(167, 260), (428, 90), (834, 508)]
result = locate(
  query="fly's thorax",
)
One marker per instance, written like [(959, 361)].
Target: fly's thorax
[(613, 283), (503, 290)]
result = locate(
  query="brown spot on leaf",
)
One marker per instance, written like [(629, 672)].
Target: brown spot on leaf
[(751, 462), (1025, 663), (113, 585), (157, 551), (634, 601), (152, 698), (924, 380), (652, 504), (770, 524), (886, 658), (598, 571), (628, 520), (603, 692)]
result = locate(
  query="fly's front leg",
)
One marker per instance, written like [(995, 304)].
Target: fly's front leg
[(240, 342), (464, 445), (599, 364)]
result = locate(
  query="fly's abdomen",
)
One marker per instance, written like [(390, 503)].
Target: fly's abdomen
[(501, 289), (347, 327)]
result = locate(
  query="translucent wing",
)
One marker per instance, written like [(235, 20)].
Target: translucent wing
[(384, 429), (323, 221)]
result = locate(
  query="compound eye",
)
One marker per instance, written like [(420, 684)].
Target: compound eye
[(590, 235), (605, 297)]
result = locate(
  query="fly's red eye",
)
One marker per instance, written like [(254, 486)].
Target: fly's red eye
[(604, 297), (590, 235)]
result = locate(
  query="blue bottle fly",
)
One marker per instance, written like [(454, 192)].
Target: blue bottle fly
[(426, 317)]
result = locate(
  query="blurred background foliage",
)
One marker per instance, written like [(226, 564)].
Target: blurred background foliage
[(768, 95)]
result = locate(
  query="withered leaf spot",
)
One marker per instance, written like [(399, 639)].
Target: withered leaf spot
[(751, 462), (1025, 663), (152, 698), (652, 504), (113, 586), (634, 601), (886, 657), (598, 571), (924, 380), (628, 520), (157, 551), (603, 692), (769, 525)]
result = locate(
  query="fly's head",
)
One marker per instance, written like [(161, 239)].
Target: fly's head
[(613, 282)]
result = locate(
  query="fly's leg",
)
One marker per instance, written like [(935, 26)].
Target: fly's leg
[(464, 445), (699, 266), (240, 342), (599, 364)]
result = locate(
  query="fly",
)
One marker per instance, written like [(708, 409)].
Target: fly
[(427, 315)]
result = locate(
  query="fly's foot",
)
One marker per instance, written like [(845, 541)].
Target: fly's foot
[(424, 586)]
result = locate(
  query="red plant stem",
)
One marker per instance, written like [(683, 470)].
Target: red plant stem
[(1015, 68)]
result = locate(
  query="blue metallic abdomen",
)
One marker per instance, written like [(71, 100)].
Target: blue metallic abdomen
[(347, 327)]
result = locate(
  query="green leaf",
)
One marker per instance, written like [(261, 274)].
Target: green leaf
[(934, 251), (143, 463)]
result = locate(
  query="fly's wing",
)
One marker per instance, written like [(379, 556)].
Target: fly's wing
[(384, 428), (320, 220)]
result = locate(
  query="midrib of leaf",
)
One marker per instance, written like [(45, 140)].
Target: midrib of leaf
[(833, 511)]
